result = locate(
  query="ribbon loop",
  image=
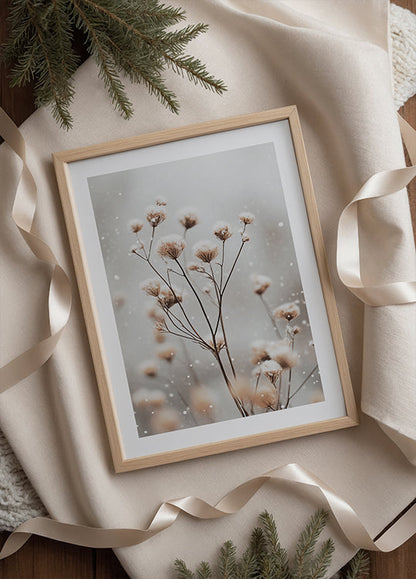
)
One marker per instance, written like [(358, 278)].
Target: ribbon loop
[(348, 245)]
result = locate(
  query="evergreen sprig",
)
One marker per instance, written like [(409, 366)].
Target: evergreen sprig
[(125, 37), (265, 558), (358, 567)]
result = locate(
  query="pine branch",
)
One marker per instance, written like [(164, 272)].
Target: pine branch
[(228, 561), (322, 560), (107, 70), (278, 556), (204, 571), (358, 567), (247, 567), (307, 542), (182, 570), (123, 37), (265, 558)]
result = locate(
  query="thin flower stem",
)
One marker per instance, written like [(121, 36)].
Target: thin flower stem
[(199, 301), (279, 391), (176, 298), (222, 265), (236, 399), (269, 313), (216, 353), (182, 327), (289, 383), (220, 320), (303, 383), (151, 243), (233, 267)]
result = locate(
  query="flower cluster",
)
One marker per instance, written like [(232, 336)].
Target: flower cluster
[(204, 267)]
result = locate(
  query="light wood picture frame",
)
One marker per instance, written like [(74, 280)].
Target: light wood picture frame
[(205, 289)]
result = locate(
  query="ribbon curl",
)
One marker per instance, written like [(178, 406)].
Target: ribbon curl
[(231, 503), (59, 301), (348, 245)]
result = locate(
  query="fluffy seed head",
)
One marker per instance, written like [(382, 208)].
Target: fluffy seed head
[(155, 215), (159, 334), (136, 225), (151, 287), (222, 230), (144, 398), (155, 314), (259, 351), (265, 396), (168, 298), (149, 369), (171, 246), (260, 283), (206, 251), (271, 369), (288, 311), (167, 353), (245, 238), (166, 420), (161, 201), (244, 389), (246, 217), (188, 218), (281, 353), (196, 267), (202, 401)]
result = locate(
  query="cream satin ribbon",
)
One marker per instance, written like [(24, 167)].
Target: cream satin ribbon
[(348, 247), (59, 308), (59, 302), (235, 500)]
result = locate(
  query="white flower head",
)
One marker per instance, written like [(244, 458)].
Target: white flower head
[(136, 225), (271, 369), (206, 251), (155, 215), (246, 217), (166, 420), (281, 353), (203, 401), (167, 353), (168, 298), (149, 369), (222, 230), (144, 398), (151, 287), (196, 267), (259, 350), (289, 311), (265, 396), (171, 246), (188, 217), (260, 283)]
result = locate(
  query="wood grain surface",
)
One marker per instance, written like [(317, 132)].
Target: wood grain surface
[(44, 559)]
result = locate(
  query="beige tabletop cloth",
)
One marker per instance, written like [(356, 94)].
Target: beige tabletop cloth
[(330, 59)]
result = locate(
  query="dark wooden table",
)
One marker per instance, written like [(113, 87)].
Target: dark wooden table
[(44, 559)]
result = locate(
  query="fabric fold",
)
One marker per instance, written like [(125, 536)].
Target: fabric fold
[(340, 81)]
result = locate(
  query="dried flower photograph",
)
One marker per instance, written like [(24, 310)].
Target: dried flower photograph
[(206, 290)]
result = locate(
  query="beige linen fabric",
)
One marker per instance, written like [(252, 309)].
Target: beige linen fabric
[(331, 60)]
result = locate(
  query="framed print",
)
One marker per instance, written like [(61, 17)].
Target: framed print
[(202, 273)]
